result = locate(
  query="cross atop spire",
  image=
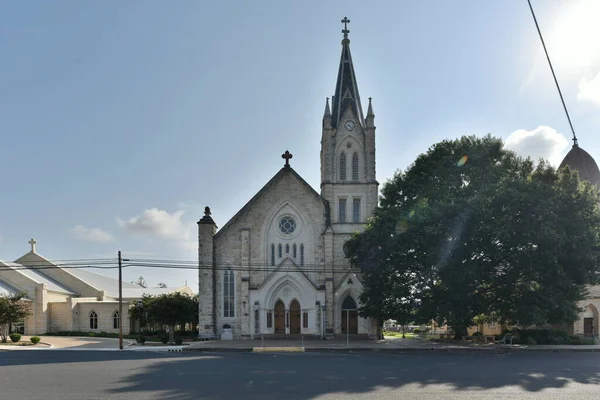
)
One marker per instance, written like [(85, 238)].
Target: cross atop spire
[(287, 156), (345, 31), (32, 242)]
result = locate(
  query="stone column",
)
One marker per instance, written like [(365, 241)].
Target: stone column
[(206, 277), (244, 292)]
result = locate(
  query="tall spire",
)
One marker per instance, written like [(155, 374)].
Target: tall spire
[(346, 90)]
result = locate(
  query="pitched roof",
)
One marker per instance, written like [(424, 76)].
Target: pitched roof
[(346, 89), (282, 172), (38, 276), (7, 290), (109, 285), (581, 161)]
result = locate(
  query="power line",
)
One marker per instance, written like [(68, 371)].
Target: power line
[(552, 69)]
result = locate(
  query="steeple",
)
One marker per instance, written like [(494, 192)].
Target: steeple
[(346, 90)]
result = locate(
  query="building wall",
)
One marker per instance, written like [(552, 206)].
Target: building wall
[(245, 246), (104, 310)]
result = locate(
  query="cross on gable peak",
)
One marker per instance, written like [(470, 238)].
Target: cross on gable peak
[(32, 242), (287, 156)]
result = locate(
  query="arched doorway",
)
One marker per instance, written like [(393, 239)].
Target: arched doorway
[(294, 317), (349, 316), (590, 321), (279, 317)]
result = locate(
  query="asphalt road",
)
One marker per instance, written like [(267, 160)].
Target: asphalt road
[(146, 375)]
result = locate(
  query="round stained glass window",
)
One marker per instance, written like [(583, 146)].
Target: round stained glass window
[(287, 225)]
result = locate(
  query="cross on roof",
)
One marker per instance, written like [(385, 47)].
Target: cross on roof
[(345, 31), (287, 156), (32, 242)]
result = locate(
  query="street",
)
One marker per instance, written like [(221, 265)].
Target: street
[(149, 375)]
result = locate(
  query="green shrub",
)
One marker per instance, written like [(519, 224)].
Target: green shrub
[(164, 339), (578, 340), (531, 340), (178, 340), (416, 331), (35, 339), (15, 337), (477, 334), (91, 334), (141, 339)]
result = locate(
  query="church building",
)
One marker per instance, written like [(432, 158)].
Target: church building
[(581, 161), (277, 267)]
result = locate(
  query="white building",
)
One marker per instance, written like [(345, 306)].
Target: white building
[(278, 266), (69, 299)]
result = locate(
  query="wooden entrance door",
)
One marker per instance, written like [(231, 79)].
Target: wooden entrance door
[(279, 317), (588, 327), (294, 317), (349, 316)]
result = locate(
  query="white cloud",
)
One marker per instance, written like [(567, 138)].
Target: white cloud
[(92, 234), (589, 89), (158, 223), (543, 141)]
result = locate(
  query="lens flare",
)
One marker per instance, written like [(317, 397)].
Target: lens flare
[(463, 160)]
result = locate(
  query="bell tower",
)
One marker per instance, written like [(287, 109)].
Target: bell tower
[(348, 178)]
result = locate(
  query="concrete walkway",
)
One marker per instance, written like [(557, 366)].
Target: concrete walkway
[(392, 345), (70, 343)]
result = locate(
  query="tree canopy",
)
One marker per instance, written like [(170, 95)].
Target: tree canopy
[(13, 309), (470, 228)]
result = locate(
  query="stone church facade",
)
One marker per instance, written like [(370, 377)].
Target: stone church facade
[(278, 266)]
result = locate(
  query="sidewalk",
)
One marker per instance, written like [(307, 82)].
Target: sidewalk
[(389, 345)]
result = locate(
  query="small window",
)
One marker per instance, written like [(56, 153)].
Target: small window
[(302, 254), (355, 166), (272, 255), (343, 167), (355, 210), (116, 320), (287, 249), (93, 320), (269, 319), (279, 250), (342, 211), (305, 319), (294, 250)]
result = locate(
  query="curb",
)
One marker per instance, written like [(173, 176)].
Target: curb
[(384, 351), (278, 349)]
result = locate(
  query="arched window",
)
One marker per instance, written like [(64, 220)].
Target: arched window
[(116, 320), (279, 250), (302, 254), (343, 167), (349, 304), (287, 249), (272, 255), (93, 320), (228, 294), (355, 166), (295, 250)]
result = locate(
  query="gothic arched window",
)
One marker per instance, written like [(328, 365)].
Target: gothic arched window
[(279, 250), (343, 167), (116, 320), (301, 254), (93, 320), (272, 255), (295, 250), (355, 166), (228, 294)]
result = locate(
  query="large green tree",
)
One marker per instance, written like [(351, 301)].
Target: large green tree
[(13, 309), (470, 228)]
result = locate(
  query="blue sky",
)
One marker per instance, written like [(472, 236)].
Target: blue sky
[(120, 121)]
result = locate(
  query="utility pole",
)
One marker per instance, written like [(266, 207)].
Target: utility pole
[(120, 302)]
